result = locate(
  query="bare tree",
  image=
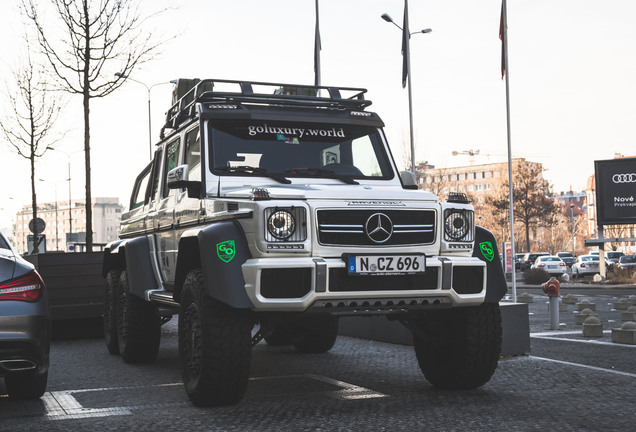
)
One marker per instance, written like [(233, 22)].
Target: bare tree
[(101, 38), (531, 202), (28, 127)]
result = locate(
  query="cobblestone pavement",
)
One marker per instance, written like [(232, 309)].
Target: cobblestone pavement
[(568, 383)]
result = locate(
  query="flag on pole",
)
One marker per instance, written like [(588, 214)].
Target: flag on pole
[(502, 37), (406, 35), (317, 48)]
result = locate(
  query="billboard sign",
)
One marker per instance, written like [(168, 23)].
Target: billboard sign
[(615, 191)]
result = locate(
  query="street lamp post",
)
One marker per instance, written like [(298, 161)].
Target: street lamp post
[(148, 88), (57, 239), (70, 201), (386, 17)]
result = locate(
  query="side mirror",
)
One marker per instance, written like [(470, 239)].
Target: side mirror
[(178, 179), (408, 180)]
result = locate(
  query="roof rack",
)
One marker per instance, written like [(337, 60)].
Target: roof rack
[(289, 95)]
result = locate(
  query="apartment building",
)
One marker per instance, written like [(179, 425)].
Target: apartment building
[(66, 224)]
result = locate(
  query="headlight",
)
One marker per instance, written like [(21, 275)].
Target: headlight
[(281, 224), (458, 225)]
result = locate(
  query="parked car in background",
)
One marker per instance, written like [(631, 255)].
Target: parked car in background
[(518, 258), (567, 258), (585, 265), (25, 326), (627, 261), (612, 258), (551, 264), (529, 258)]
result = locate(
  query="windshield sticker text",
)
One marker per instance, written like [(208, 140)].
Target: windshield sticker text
[(300, 132)]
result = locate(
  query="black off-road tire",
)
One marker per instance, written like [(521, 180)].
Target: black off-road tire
[(215, 347), (26, 385), (138, 326), (111, 295), (319, 335), (461, 347)]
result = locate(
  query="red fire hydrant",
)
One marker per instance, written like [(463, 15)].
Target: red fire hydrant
[(553, 289)]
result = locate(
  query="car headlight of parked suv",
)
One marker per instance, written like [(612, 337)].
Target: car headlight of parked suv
[(458, 225), (287, 224)]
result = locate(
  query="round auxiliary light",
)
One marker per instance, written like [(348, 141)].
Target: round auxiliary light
[(281, 224), (456, 225)]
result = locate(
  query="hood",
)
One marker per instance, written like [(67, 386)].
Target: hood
[(363, 192)]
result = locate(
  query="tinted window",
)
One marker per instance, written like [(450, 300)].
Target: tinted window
[(193, 154), (170, 162), (3, 243)]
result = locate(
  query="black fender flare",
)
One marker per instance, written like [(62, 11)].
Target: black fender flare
[(113, 258), (219, 249), (137, 258), (486, 250)]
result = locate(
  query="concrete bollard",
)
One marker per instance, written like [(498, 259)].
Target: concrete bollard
[(592, 327), (629, 314), (525, 298), (584, 304), (622, 304), (581, 317), (632, 299), (569, 299), (563, 307), (626, 334)]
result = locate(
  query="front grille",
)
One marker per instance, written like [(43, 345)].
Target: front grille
[(349, 227), (340, 281)]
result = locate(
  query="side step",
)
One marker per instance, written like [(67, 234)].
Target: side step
[(162, 297)]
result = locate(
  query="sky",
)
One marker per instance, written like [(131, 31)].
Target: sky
[(572, 65)]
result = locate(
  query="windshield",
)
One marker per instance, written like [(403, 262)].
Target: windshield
[(628, 259), (298, 150)]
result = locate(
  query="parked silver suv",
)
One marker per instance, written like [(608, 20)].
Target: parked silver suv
[(279, 207)]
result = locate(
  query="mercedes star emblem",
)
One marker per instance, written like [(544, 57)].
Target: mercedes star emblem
[(379, 228)]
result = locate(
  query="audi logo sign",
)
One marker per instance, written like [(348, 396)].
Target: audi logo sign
[(615, 191), (624, 178)]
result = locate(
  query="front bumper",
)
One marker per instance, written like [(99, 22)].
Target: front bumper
[(322, 285)]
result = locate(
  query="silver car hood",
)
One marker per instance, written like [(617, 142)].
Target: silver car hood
[(330, 191)]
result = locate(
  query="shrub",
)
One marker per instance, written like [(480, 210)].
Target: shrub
[(535, 276), (622, 275)]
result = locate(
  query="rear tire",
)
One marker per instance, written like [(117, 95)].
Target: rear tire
[(26, 385), (460, 348), (318, 336), (215, 346), (111, 294), (138, 326)]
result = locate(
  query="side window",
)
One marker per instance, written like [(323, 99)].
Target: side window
[(193, 154), (139, 190), (171, 161), (151, 194)]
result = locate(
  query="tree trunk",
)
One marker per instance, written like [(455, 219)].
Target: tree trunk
[(87, 135), (36, 244)]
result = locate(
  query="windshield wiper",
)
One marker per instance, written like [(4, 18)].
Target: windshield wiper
[(246, 169), (315, 172)]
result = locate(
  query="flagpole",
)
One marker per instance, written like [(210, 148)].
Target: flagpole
[(317, 48), (407, 36), (510, 178)]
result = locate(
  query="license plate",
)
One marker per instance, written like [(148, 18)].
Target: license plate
[(385, 264)]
